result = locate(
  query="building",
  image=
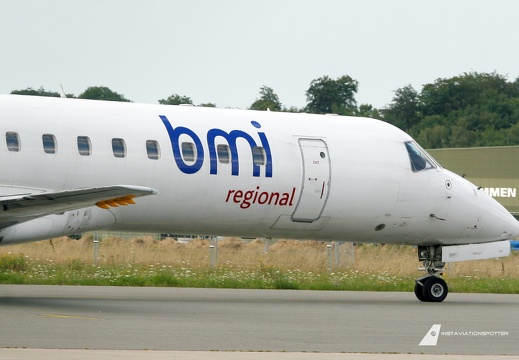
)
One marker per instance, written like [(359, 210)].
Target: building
[(495, 169)]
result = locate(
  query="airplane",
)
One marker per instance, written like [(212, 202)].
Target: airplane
[(73, 165)]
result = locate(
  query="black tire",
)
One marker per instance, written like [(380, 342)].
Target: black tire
[(418, 291), (435, 289)]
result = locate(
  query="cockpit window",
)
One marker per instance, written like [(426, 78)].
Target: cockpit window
[(420, 160)]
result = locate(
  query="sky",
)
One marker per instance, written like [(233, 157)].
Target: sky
[(224, 51)]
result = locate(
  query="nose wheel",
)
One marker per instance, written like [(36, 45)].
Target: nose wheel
[(431, 288)]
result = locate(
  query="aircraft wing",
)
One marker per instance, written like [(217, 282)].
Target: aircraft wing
[(23, 207)]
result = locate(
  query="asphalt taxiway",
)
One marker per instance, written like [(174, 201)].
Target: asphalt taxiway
[(160, 320)]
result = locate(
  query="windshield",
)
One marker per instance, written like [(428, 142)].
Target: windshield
[(420, 160)]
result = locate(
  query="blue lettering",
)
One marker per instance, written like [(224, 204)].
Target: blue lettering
[(174, 135), (266, 146), (231, 139)]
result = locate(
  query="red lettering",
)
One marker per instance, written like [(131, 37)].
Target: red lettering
[(284, 199), (237, 196), (272, 196), (229, 195), (250, 197), (255, 195), (292, 197), (263, 199)]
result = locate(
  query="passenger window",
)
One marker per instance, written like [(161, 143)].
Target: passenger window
[(224, 153), (49, 143), (84, 146), (258, 155), (13, 141), (419, 158), (188, 151), (119, 147), (153, 149)]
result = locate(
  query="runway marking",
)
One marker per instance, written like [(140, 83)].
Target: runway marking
[(58, 316)]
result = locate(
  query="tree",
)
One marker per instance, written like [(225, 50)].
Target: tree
[(367, 110), (434, 137), (326, 95), (293, 109), (176, 99), (102, 93), (404, 111), (472, 109), (470, 90), (40, 92), (268, 100)]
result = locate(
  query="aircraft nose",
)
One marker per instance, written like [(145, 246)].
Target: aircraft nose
[(512, 224), (501, 219)]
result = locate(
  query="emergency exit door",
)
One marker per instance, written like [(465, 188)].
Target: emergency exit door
[(316, 180)]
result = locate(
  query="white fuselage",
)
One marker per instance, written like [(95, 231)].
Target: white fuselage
[(240, 173)]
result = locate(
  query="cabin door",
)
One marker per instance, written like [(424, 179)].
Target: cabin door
[(316, 180)]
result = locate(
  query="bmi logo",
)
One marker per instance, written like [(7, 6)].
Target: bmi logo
[(431, 338)]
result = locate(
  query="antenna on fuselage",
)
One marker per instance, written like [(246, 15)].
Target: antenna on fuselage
[(61, 92)]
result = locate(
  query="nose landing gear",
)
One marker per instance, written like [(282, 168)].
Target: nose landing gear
[(431, 288)]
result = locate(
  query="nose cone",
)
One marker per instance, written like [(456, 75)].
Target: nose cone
[(499, 224), (500, 219), (485, 219)]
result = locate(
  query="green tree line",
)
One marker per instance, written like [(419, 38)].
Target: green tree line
[(472, 109)]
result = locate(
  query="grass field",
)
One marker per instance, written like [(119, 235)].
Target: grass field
[(287, 264)]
